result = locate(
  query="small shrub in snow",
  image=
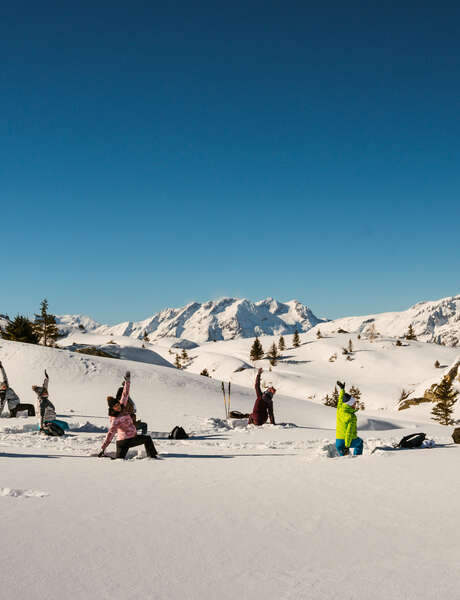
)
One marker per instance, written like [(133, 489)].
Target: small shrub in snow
[(184, 355), (333, 399), (437, 364), (340, 330), (344, 351), (205, 373), (177, 362), (319, 334), (333, 357), (350, 346), (398, 343)]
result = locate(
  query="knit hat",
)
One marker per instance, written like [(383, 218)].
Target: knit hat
[(351, 402)]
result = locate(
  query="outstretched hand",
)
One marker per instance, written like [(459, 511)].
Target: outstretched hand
[(128, 376)]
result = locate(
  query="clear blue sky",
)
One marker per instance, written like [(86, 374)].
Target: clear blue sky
[(154, 153)]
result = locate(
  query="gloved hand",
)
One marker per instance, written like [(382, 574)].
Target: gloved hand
[(101, 454), (128, 376), (46, 374), (341, 385)]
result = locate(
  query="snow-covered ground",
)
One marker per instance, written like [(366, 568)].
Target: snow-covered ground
[(234, 511)]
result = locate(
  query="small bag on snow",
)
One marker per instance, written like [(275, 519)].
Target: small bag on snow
[(52, 429), (456, 435), (236, 414), (178, 433), (413, 440)]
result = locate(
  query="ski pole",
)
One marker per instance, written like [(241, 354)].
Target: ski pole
[(225, 401), (228, 412)]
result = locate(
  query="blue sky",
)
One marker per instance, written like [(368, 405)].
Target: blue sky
[(157, 153)]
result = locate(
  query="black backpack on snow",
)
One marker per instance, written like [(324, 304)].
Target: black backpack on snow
[(178, 433), (413, 440), (456, 435), (52, 429)]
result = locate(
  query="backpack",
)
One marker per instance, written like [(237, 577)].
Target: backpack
[(236, 414), (456, 435), (52, 429), (178, 433), (413, 440)]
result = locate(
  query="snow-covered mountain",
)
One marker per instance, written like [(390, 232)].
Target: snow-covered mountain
[(224, 319), (434, 321)]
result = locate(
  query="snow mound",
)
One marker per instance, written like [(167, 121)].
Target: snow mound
[(15, 493)]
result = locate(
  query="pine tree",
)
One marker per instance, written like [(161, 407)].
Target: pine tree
[(177, 362), (319, 335), (20, 330), (184, 355), (398, 343), (45, 325), (205, 373), (332, 400), (296, 339), (272, 354), (281, 344), (146, 337), (437, 364), (410, 335), (355, 392), (257, 352), (446, 397), (372, 332), (350, 346)]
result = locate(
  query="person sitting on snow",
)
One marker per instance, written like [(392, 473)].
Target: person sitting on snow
[(48, 421), (121, 425), (131, 410), (263, 407), (347, 429), (7, 394)]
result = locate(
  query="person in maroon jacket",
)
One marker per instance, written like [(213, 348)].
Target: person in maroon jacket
[(263, 407)]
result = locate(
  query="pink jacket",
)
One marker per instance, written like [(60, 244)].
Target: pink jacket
[(123, 425)]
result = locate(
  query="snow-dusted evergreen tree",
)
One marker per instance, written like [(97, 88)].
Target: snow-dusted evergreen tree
[(146, 337), (296, 339), (410, 335), (437, 364), (281, 344), (372, 332), (398, 343), (319, 335), (45, 325), (333, 399), (272, 354), (205, 373), (257, 352), (20, 329), (350, 346), (184, 355), (446, 397), (355, 392), (177, 362)]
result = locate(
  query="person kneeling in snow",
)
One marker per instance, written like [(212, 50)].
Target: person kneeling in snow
[(347, 429), (122, 425), (131, 410), (48, 422), (7, 394), (263, 407)]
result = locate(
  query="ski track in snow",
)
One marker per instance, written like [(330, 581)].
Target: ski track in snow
[(15, 493)]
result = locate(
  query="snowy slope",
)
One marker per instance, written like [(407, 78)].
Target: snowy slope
[(233, 512)]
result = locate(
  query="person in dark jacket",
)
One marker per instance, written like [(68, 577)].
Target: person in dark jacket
[(263, 407), (49, 423), (8, 395)]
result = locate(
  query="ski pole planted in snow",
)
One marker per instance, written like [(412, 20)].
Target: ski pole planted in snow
[(225, 400), (228, 409)]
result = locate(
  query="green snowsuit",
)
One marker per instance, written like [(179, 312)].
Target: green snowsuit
[(346, 421)]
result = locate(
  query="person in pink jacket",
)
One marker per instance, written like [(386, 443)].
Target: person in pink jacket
[(121, 425)]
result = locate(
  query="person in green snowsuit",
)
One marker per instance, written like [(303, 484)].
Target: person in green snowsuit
[(347, 428)]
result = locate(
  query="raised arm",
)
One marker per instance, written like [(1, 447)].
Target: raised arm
[(125, 394), (257, 386), (46, 381), (5, 378)]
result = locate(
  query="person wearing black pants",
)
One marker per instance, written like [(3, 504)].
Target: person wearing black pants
[(124, 445), (28, 407)]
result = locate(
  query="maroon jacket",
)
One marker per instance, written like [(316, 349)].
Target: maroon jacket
[(263, 407)]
